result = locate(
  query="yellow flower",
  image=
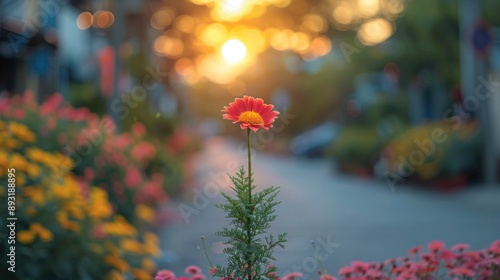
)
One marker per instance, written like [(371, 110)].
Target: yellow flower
[(31, 211), (22, 132), (43, 233), (141, 274), (152, 250), (131, 245), (76, 212), (3, 158), (115, 275), (18, 162), (46, 235), (148, 265), (62, 219), (25, 236), (151, 238), (38, 155), (145, 213), (120, 227), (151, 244), (61, 192), (116, 262), (33, 171), (36, 194), (36, 227), (20, 180)]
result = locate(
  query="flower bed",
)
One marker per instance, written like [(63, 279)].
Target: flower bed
[(64, 227), (439, 153), (135, 170), (438, 262)]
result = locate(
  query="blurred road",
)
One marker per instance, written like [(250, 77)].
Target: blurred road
[(349, 218)]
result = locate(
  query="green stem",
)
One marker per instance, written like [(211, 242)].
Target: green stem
[(205, 250), (249, 168), (249, 201)]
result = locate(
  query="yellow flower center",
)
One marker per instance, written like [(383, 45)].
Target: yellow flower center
[(250, 117)]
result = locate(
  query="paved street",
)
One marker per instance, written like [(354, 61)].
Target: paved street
[(350, 218)]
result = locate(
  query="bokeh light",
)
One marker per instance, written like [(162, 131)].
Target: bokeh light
[(233, 51), (185, 23), (321, 46), (368, 8), (168, 46), (375, 31), (214, 34), (103, 19), (343, 14), (84, 20), (162, 18)]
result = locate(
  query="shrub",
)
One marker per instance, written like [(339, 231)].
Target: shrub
[(438, 263), (65, 229), (436, 150), (132, 167)]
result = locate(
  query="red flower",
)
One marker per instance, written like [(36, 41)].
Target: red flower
[(292, 275), (346, 271), (213, 270), (414, 250), (460, 247), (251, 113), (193, 269), (435, 246), (164, 274), (327, 277)]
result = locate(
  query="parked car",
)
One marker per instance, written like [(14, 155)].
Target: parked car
[(314, 142)]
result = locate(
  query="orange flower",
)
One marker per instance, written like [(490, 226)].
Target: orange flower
[(250, 113)]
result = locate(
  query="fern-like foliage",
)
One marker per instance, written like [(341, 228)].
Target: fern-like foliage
[(249, 250)]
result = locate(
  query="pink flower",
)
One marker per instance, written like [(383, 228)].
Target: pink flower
[(89, 173), (360, 266), (460, 247), (462, 271), (143, 151), (51, 104), (138, 129), (122, 141), (192, 269), (198, 277), (99, 232), (164, 274), (495, 244), (327, 277), (435, 246), (447, 255), (212, 270), (414, 250), (346, 271), (292, 275), (18, 113), (133, 177)]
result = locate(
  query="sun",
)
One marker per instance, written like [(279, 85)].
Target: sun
[(234, 51)]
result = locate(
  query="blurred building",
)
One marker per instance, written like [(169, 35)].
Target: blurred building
[(28, 45)]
